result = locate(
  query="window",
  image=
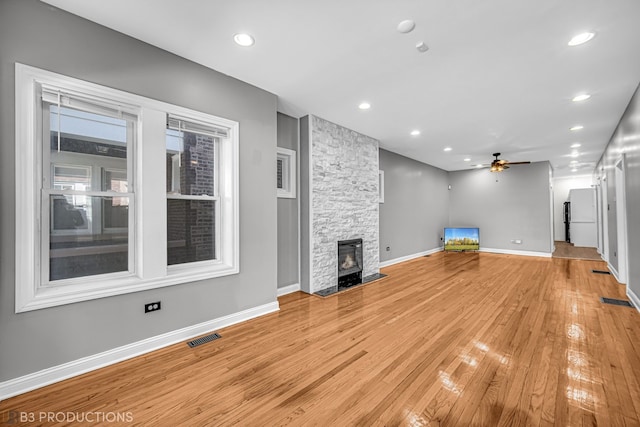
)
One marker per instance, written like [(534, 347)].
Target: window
[(192, 190), (81, 138), (103, 209), (286, 173)]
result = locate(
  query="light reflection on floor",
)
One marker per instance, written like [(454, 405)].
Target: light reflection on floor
[(415, 420), (579, 377), (448, 383)]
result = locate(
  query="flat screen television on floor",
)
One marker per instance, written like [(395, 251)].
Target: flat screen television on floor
[(461, 239)]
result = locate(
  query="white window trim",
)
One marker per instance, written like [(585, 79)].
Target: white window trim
[(149, 245), (288, 173)]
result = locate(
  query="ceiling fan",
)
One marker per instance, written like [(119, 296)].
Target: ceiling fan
[(500, 165)]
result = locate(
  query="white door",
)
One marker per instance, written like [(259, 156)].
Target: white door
[(599, 215), (605, 219), (621, 217), (583, 227)]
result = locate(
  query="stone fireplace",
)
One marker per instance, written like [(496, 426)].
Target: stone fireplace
[(338, 202)]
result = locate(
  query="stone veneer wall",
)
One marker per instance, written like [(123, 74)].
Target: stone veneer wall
[(344, 199)]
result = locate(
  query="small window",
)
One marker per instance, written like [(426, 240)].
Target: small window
[(192, 190), (286, 173)]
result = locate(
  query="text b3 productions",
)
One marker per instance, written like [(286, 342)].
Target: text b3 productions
[(19, 417)]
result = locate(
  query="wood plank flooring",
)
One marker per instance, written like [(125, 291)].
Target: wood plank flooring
[(456, 339), (568, 250)]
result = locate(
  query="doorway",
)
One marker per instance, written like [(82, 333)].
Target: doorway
[(621, 219), (605, 218)]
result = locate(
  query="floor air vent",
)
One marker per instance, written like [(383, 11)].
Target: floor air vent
[(203, 340), (614, 301), (600, 272)]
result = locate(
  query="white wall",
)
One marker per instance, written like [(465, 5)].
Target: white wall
[(561, 187)]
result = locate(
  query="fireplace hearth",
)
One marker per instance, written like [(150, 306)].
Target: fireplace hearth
[(349, 262)]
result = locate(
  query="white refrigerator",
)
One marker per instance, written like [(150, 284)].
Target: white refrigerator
[(582, 226)]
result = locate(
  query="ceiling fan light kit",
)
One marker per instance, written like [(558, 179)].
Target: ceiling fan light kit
[(499, 165)]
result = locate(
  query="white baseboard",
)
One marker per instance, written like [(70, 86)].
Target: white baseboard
[(614, 272), (635, 300), (408, 257), (288, 289), (58, 373), (512, 252)]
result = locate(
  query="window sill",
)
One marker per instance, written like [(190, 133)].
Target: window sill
[(52, 296)]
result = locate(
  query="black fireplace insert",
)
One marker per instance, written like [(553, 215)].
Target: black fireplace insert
[(349, 262)]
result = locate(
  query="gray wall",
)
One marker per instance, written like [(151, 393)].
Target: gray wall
[(288, 211), (415, 208), (34, 34), (626, 139), (304, 191), (515, 204)]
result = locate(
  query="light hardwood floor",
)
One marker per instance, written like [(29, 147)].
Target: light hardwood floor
[(567, 250), (456, 339)]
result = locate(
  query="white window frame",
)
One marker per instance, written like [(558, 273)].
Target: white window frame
[(149, 245), (215, 198), (288, 158)]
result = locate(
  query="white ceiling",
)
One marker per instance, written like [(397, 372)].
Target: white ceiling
[(499, 75)]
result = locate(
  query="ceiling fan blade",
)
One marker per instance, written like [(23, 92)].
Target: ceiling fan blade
[(499, 165)]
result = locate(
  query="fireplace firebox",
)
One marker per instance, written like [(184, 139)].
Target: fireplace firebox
[(349, 262)]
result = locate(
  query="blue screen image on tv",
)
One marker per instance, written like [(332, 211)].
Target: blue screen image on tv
[(461, 239)]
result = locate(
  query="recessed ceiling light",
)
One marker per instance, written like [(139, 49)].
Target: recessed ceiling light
[(406, 26), (576, 145), (573, 162), (479, 166), (467, 159), (448, 149), (364, 106), (415, 132), (244, 39), (574, 170), (574, 154), (581, 38), (577, 127), (581, 97)]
